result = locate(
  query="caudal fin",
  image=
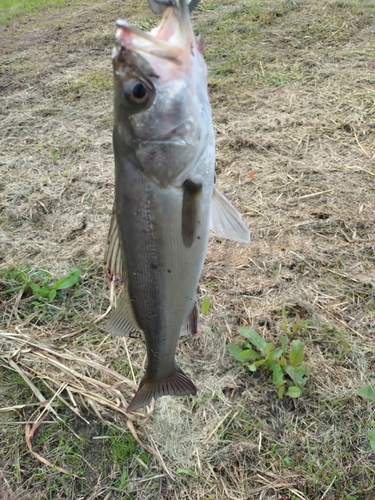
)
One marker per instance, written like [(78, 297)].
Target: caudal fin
[(177, 384)]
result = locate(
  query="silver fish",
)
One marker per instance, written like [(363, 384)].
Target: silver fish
[(165, 199)]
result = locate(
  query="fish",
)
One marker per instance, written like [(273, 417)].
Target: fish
[(165, 198)]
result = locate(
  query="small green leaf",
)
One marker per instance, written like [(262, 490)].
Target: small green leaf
[(260, 362), (188, 472), (235, 351), (52, 294), (270, 347), (67, 281), (371, 436), (252, 367), (282, 361), (301, 374), (296, 353), (257, 341), (248, 355), (124, 477), (281, 391), (277, 353), (45, 291), (206, 302), (293, 392), (298, 374), (367, 392), (23, 277), (36, 289), (284, 343), (278, 375)]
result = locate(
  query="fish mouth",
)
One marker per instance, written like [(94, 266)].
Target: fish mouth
[(168, 142), (171, 41)]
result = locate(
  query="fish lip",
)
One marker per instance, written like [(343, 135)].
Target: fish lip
[(157, 47), (175, 142), (172, 40)]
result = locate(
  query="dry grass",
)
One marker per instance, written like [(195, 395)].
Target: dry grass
[(292, 89)]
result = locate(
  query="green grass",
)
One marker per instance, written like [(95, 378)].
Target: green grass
[(10, 9), (84, 446)]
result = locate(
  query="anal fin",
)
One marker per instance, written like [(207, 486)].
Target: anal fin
[(123, 322), (177, 384), (226, 221), (192, 323)]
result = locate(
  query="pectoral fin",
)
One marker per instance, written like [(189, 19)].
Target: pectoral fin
[(226, 220), (114, 266), (123, 322), (190, 210)]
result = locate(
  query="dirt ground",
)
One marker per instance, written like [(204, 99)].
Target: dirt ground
[(292, 86)]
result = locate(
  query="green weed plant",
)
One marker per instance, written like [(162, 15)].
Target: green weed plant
[(367, 392), (38, 281), (285, 363)]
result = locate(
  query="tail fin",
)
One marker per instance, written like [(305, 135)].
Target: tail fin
[(177, 384)]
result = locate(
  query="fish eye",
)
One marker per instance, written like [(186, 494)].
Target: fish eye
[(137, 91)]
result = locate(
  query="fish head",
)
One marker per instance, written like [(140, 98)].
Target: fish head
[(162, 109)]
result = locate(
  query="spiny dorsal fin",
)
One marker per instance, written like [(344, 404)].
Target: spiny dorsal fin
[(226, 220), (113, 255), (123, 322), (177, 384), (191, 326)]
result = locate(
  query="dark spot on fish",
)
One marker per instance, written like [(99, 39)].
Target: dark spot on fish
[(169, 270), (198, 237), (190, 210), (134, 335), (154, 266), (191, 187)]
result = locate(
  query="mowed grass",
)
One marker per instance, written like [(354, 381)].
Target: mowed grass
[(290, 83), (10, 9)]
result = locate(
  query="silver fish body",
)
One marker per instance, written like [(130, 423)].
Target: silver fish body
[(164, 149)]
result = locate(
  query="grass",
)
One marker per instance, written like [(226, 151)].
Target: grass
[(88, 449), (290, 84), (11, 9)]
